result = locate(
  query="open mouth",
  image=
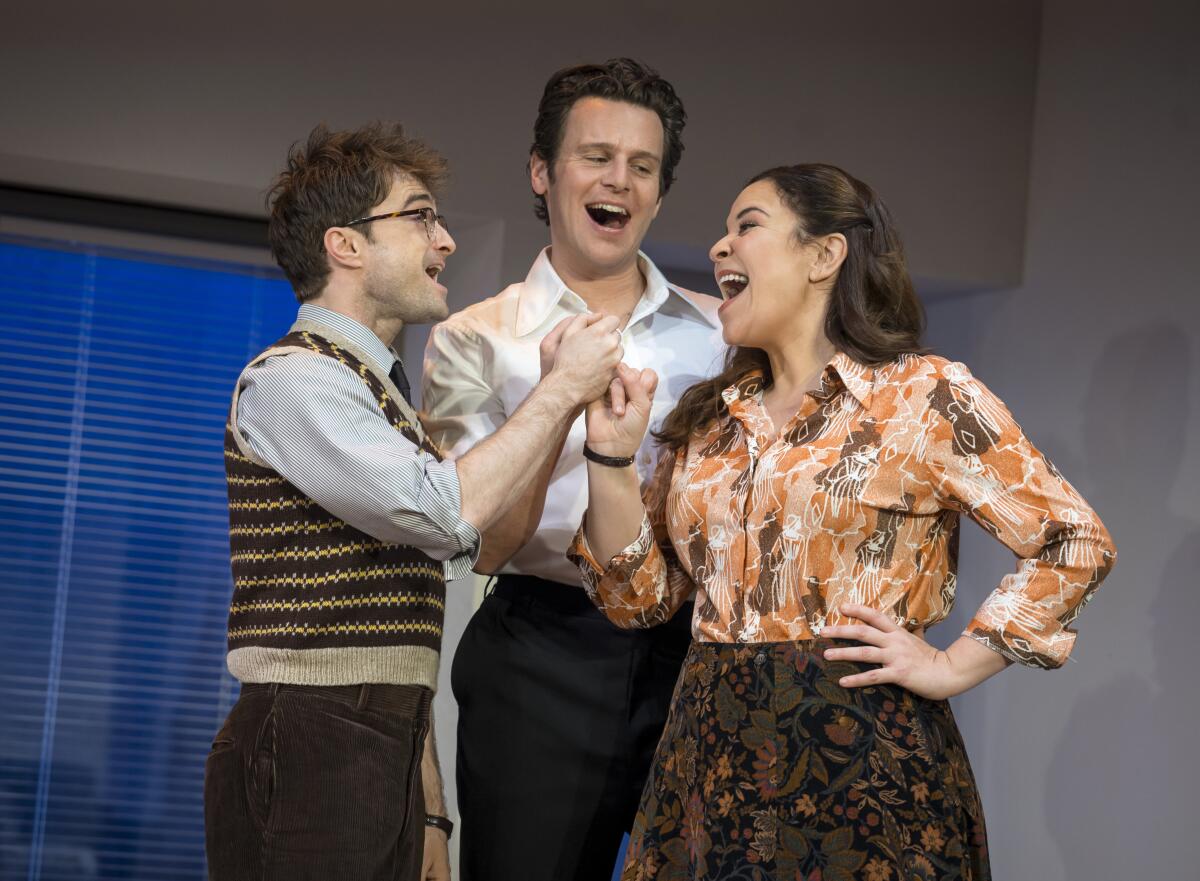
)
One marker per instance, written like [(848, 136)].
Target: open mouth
[(433, 271), (608, 215), (732, 284)]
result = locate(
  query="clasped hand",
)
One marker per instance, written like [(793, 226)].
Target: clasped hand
[(617, 421), (581, 354), (587, 349)]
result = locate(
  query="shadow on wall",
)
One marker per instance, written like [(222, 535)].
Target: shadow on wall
[(1127, 749)]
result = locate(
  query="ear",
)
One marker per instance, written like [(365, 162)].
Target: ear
[(539, 174), (831, 254), (344, 247)]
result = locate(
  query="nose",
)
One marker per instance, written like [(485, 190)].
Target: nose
[(444, 243), (616, 176), (720, 249)]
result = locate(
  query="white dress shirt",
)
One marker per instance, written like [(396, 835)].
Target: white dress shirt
[(482, 362), (313, 420)]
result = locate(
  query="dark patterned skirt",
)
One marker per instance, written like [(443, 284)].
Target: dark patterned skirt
[(769, 770)]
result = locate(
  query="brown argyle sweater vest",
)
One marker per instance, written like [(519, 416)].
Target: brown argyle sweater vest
[(316, 601)]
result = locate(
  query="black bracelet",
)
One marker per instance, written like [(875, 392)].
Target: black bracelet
[(443, 823), (611, 461)]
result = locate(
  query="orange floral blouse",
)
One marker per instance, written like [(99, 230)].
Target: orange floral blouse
[(857, 500)]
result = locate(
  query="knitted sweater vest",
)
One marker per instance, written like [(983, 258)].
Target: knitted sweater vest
[(315, 600)]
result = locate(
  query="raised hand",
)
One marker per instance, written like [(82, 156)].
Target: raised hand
[(615, 427), (587, 352), (569, 326)]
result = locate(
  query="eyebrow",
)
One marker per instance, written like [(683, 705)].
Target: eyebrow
[(420, 196), (746, 211), (637, 154)]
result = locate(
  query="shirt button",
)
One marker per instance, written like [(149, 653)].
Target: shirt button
[(760, 659)]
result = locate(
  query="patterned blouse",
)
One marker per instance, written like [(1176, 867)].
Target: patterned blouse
[(857, 500)]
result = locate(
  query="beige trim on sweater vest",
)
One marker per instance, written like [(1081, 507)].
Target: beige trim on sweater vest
[(242, 444), (354, 665), (314, 327)]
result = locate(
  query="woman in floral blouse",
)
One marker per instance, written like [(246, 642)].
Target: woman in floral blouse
[(810, 496)]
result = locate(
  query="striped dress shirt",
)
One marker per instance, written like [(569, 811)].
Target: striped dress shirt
[(314, 421)]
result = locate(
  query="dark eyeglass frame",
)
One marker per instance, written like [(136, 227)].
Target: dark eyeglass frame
[(429, 217)]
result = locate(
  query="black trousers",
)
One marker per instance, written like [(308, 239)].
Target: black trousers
[(305, 782), (559, 715)]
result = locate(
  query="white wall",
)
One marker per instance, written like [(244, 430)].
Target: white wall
[(1089, 772)]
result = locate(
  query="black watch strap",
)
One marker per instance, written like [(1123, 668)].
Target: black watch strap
[(611, 461), (443, 823)]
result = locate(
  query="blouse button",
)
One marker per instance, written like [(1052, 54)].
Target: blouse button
[(760, 659)]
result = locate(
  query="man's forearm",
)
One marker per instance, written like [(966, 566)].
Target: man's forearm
[(504, 466), (512, 531), (431, 775)]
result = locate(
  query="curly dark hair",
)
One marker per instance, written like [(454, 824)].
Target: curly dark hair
[(618, 79), (332, 179)]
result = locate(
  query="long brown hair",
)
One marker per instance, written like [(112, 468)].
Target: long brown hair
[(874, 314)]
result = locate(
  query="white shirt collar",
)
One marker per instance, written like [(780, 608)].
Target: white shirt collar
[(544, 289)]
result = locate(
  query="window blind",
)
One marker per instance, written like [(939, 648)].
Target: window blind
[(115, 376)]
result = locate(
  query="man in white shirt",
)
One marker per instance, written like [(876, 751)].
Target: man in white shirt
[(559, 711)]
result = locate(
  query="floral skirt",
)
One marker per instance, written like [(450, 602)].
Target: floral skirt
[(769, 770)]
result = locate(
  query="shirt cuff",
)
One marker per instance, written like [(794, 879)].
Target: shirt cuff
[(462, 566), (440, 499), (1019, 645), (622, 566), (581, 554)]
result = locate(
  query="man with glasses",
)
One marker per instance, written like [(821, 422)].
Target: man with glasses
[(345, 524), (559, 711)]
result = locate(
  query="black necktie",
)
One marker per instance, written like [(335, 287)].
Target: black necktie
[(401, 381)]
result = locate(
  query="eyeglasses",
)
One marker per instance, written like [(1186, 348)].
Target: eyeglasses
[(429, 217)]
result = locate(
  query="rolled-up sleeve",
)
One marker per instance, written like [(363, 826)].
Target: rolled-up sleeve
[(645, 584), (316, 423), (983, 465)]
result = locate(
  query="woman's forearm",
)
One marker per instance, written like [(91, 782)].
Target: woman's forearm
[(615, 510), (972, 663)]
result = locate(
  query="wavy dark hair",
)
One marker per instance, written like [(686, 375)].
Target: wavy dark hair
[(335, 177), (618, 79), (874, 314)]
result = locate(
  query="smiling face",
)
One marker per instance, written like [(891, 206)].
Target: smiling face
[(400, 264), (603, 191), (763, 271)]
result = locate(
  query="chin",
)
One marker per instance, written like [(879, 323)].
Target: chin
[(429, 313), (729, 333), (611, 251)]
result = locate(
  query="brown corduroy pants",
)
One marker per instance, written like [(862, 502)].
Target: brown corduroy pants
[(307, 782)]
